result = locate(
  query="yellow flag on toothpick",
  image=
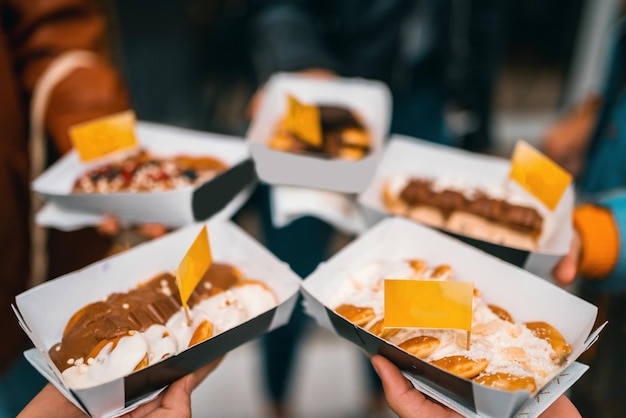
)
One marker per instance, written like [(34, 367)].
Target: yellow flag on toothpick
[(193, 265), (99, 137), (538, 174), (428, 304), (304, 121)]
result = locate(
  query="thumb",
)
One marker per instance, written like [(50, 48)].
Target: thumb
[(178, 396), (565, 271)]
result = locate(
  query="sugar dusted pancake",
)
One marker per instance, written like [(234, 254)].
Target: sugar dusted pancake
[(503, 354)]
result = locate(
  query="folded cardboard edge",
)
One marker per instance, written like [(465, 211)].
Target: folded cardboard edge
[(283, 168), (213, 196)]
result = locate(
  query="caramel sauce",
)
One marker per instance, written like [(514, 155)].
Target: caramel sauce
[(152, 302)]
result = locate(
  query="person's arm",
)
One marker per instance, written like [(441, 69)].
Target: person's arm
[(41, 31), (174, 402), (285, 36), (403, 398), (408, 402), (566, 139), (597, 254)]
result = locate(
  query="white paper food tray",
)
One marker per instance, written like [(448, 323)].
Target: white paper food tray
[(525, 296), (172, 208), (62, 297), (405, 156), (53, 216), (369, 99)]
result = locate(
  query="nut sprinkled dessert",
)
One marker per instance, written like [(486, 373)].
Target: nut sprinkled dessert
[(126, 332), (144, 172)]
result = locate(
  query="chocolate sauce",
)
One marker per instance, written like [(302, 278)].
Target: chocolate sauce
[(152, 302)]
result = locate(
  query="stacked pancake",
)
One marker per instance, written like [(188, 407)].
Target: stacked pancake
[(344, 136), (503, 354), (492, 214), (144, 172), (126, 332)]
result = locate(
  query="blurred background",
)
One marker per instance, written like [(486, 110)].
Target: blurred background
[(188, 63)]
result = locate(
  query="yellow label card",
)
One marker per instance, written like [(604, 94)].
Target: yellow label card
[(539, 175), (193, 266), (103, 136), (428, 304), (304, 121)]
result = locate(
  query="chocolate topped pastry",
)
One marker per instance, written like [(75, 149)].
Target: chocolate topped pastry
[(523, 218), (471, 212), (153, 302), (417, 191), (127, 331), (344, 136)]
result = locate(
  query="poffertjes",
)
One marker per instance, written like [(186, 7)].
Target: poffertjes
[(503, 354), (126, 332), (344, 136)]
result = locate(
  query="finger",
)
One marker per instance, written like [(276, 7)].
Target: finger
[(204, 371), (174, 401), (565, 271), (147, 408), (402, 397), (178, 397), (562, 407), (152, 230), (109, 225), (254, 104)]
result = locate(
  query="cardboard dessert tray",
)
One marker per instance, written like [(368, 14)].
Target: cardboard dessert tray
[(172, 208), (369, 99), (409, 156), (525, 296), (62, 297)]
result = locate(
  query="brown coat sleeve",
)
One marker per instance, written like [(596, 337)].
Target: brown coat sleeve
[(39, 31), (32, 34)]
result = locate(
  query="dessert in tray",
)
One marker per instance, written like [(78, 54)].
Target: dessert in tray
[(503, 353), (491, 214), (144, 172), (126, 332), (344, 136)]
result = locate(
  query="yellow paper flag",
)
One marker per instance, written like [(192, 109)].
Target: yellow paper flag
[(193, 265), (428, 304), (304, 121), (103, 136), (539, 175)]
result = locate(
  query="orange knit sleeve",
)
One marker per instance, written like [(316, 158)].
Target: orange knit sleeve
[(599, 238)]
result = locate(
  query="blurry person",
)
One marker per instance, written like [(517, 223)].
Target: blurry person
[(598, 253), (55, 50), (429, 53), (408, 402), (173, 402)]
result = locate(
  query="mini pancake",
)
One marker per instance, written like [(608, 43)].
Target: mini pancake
[(507, 381), (357, 315), (421, 346), (547, 332), (501, 313), (461, 366), (379, 330)]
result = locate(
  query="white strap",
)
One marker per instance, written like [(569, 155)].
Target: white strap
[(58, 69)]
